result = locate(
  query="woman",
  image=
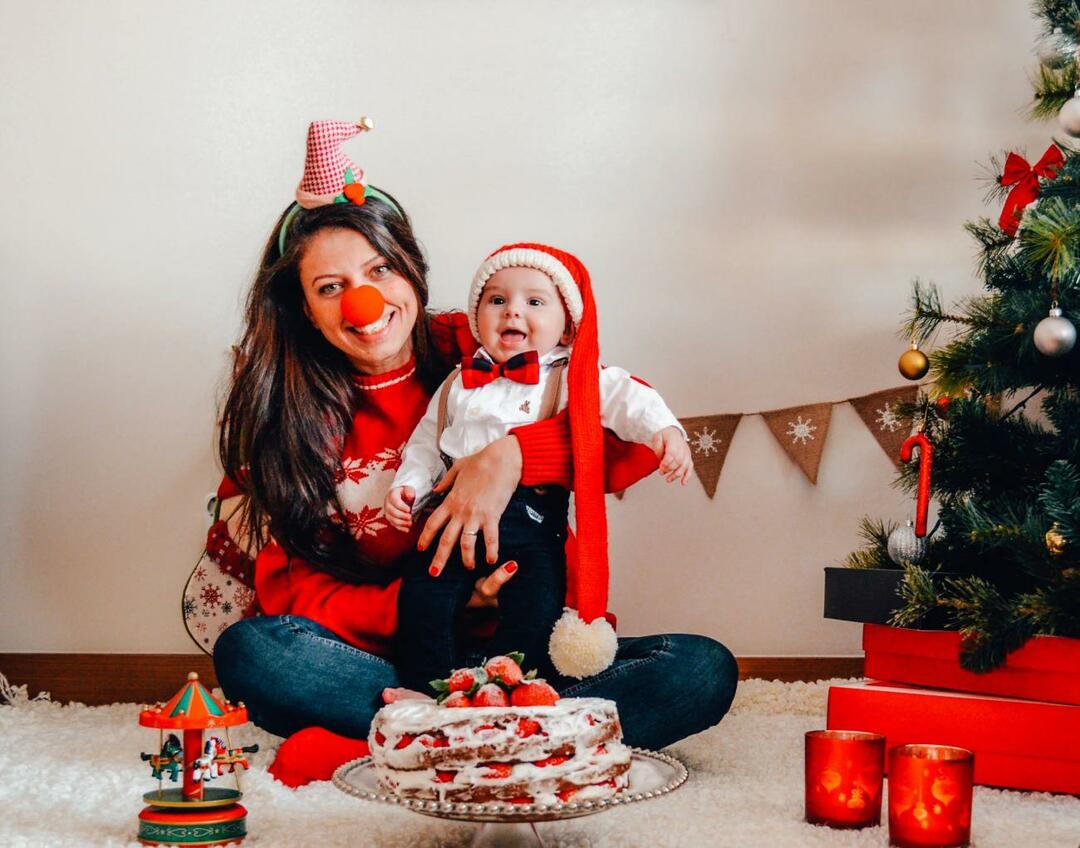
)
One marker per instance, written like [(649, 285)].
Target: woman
[(313, 426)]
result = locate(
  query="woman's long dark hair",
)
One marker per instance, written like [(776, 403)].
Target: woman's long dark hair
[(291, 401)]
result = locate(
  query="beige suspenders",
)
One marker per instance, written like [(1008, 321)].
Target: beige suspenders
[(549, 404)]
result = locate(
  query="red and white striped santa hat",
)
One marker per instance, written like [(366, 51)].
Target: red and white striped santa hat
[(583, 642)]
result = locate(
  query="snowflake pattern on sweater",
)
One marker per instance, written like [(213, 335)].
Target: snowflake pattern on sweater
[(362, 485)]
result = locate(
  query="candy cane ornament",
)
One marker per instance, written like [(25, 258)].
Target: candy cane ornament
[(926, 460)]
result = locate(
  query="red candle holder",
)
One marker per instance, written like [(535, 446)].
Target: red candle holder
[(930, 796), (843, 778)]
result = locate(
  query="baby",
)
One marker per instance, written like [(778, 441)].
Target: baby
[(524, 308)]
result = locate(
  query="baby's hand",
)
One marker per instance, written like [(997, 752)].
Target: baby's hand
[(671, 449), (398, 507)]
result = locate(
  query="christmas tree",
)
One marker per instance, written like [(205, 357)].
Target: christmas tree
[(1003, 412)]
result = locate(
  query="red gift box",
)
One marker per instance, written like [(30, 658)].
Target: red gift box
[(1047, 668), (1017, 744)]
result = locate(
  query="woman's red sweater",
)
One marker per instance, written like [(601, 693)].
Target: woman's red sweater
[(391, 405)]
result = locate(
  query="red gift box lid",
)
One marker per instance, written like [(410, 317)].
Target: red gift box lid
[(1046, 668), (1050, 653), (1017, 743)]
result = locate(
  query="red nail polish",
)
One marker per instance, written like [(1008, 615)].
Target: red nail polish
[(510, 567), (433, 571), (419, 546)]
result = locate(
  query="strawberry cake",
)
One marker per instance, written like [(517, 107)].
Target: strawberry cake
[(496, 735)]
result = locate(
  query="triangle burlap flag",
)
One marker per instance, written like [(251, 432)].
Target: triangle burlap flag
[(710, 438), (801, 430), (878, 412)]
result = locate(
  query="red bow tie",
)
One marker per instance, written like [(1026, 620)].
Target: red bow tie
[(521, 368)]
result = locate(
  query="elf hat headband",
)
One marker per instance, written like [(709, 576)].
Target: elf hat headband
[(329, 175)]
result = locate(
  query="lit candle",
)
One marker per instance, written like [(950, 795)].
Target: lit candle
[(843, 778), (930, 796)]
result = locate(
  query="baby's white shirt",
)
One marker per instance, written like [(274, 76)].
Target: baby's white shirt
[(477, 417)]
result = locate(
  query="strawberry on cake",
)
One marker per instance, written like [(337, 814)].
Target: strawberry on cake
[(498, 735)]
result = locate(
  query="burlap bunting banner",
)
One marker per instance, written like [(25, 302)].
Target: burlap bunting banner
[(710, 438), (801, 430), (879, 413)]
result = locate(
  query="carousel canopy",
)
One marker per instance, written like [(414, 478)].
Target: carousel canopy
[(193, 708)]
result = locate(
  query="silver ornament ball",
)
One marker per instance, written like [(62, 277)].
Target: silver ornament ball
[(1054, 49), (1055, 335), (905, 548), (1069, 116)]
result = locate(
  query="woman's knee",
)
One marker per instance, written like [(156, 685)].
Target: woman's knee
[(237, 654), (715, 672)]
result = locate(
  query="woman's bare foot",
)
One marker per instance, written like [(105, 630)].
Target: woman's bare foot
[(391, 694)]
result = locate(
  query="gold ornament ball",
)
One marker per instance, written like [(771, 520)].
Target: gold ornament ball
[(1055, 542), (914, 364)]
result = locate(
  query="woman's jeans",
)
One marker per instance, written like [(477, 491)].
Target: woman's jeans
[(292, 673)]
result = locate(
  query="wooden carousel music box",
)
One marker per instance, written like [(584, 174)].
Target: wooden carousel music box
[(195, 813)]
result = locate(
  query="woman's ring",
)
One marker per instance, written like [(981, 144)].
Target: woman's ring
[(470, 532)]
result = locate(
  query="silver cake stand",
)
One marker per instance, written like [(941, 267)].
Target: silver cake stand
[(651, 775)]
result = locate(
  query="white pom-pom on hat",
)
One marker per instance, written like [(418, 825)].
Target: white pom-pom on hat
[(581, 650)]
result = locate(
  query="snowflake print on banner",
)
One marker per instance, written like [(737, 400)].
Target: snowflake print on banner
[(703, 441), (226, 607), (200, 573), (189, 607), (710, 438), (801, 432), (889, 430), (887, 419)]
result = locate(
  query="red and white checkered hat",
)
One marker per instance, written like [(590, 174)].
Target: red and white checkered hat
[(326, 163)]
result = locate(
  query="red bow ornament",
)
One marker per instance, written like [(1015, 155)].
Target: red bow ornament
[(521, 368), (1025, 181)]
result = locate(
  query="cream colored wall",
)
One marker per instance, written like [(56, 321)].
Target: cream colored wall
[(753, 186)]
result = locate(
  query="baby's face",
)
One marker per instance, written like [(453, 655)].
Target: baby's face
[(520, 309)]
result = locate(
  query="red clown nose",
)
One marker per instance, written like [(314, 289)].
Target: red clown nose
[(362, 305)]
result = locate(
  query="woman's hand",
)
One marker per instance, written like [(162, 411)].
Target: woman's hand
[(479, 487)]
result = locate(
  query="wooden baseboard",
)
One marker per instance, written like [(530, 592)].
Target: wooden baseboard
[(143, 678), (791, 669)]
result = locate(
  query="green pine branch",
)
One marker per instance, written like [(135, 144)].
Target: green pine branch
[(1052, 87), (875, 550), (1050, 237), (1058, 14)]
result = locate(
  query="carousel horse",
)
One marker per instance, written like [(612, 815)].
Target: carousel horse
[(169, 760), (206, 768), (233, 757)]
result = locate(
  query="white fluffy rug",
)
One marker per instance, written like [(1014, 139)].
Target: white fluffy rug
[(71, 775)]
